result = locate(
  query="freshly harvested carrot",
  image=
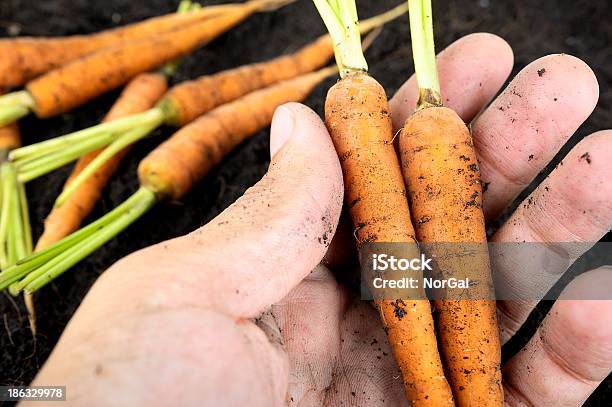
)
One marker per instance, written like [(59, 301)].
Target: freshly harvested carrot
[(139, 95), (181, 105), (25, 58), (441, 170), (358, 119), (191, 99), (168, 173), (172, 169), (73, 84)]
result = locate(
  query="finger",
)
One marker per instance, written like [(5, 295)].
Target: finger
[(263, 245), (471, 70), (570, 354), (574, 204), (523, 129)]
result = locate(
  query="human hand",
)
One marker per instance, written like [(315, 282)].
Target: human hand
[(232, 313)]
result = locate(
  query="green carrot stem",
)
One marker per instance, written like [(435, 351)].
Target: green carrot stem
[(18, 234), (424, 53), (41, 273), (35, 260), (33, 169), (7, 183), (25, 218), (78, 253), (340, 18), (109, 152), (14, 106), (10, 114), (153, 115)]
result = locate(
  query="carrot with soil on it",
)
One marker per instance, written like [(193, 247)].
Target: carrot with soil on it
[(72, 85), (181, 105), (166, 174), (25, 58), (139, 95), (357, 116), (441, 170)]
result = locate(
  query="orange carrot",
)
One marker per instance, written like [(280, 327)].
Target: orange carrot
[(357, 117), (183, 104), (9, 139), (173, 168), (167, 173), (73, 84), (441, 170), (22, 59), (189, 100), (139, 95)]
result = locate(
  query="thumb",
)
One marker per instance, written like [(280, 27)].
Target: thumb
[(263, 245)]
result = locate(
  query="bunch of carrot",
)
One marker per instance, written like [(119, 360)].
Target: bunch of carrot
[(115, 61), (181, 105), (435, 145), (71, 84), (453, 359), (199, 145), (94, 64), (167, 173)]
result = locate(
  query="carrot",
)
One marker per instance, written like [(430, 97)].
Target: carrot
[(25, 58), (441, 170), (9, 139), (73, 84), (357, 116), (181, 105), (191, 99), (168, 173), (139, 95)]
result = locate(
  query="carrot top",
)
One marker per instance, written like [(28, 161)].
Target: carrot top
[(340, 18), (424, 53)]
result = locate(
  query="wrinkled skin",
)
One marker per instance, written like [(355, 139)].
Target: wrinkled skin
[(240, 311)]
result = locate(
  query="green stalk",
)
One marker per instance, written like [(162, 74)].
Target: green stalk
[(7, 183), (108, 153), (32, 169), (424, 53), (14, 106), (340, 18), (33, 261), (10, 114), (153, 115), (41, 268), (25, 217)]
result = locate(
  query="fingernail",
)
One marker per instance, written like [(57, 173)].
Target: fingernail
[(283, 123)]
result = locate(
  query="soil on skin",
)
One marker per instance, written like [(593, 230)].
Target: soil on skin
[(582, 28)]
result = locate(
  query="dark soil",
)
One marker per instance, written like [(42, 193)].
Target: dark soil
[(534, 28)]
